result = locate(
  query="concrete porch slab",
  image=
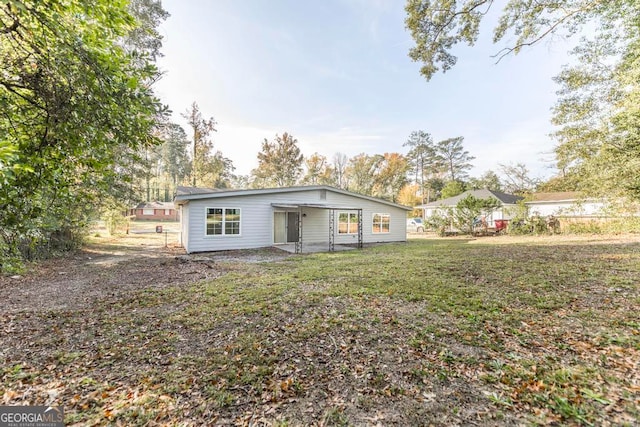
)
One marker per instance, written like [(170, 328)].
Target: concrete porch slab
[(310, 248)]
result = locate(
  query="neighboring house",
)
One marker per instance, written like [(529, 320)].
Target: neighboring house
[(156, 211), (505, 211), (566, 205), (213, 220)]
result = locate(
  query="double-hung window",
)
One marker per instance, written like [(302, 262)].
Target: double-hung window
[(381, 222), (223, 221), (347, 223)]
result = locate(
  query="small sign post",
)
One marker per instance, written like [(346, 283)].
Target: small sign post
[(159, 230)]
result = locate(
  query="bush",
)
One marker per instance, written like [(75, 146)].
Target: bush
[(519, 227), (439, 223), (623, 225)]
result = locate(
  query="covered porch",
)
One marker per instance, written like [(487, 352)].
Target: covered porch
[(289, 225)]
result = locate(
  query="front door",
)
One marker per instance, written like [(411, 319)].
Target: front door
[(279, 227), (292, 227)]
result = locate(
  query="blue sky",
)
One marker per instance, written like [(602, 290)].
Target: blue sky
[(335, 74)]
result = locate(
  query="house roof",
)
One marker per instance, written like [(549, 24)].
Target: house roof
[(181, 191), (155, 205), (207, 193), (294, 205), (504, 198), (555, 197)]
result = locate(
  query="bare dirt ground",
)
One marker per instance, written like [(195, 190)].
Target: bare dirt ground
[(112, 266)]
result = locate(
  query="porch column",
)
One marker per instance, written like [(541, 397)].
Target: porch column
[(299, 242), (332, 229), (359, 228)]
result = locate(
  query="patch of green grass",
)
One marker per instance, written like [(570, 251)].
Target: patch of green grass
[(540, 328)]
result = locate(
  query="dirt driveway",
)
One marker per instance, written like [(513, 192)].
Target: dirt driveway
[(109, 267)]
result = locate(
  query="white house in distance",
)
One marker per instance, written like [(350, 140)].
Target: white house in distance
[(214, 220), (566, 205), (505, 211)]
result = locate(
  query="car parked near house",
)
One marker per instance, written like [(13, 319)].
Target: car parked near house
[(415, 225)]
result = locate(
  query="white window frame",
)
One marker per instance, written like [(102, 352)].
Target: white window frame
[(224, 222), (145, 211), (349, 222), (373, 223)]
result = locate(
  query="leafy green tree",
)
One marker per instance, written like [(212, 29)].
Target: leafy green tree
[(437, 26), (598, 113), (422, 157), (201, 142), (489, 180), (452, 189), (470, 211), (362, 172), (433, 188), (174, 154), (208, 168), (76, 109), (144, 38), (279, 163), (451, 157)]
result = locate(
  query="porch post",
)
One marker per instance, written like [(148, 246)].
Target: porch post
[(332, 227), (299, 242), (359, 228)]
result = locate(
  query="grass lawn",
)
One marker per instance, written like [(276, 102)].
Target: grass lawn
[(487, 332)]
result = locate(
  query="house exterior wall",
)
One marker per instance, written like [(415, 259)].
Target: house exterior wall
[(567, 208), (505, 212), (397, 225), (257, 220), (184, 225), (158, 214)]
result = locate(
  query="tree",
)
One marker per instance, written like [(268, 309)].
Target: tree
[(517, 179), (174, 153), (488, 180), (422, 157), (318, 170), (598, 113), (362, 171), (144, 37), (470, 210), (434, 187), (438, 25), (340, 163), (453, 158), (408, 195), (279, 163), (391, 176), (202, 144), (76, 109), (208, 168), (452, 189)]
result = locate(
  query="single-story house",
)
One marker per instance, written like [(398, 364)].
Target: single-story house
[(213, 220), (156, 211), (567, 204), (505, 211)]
